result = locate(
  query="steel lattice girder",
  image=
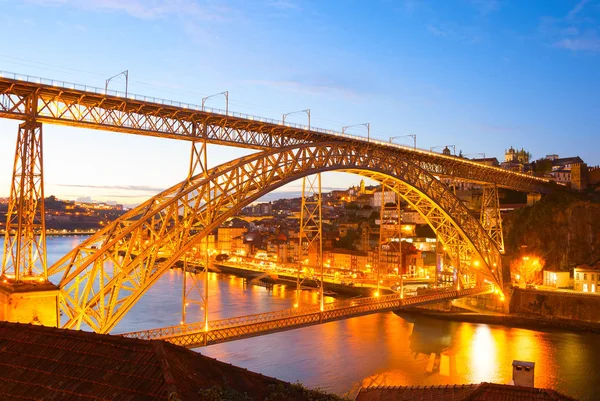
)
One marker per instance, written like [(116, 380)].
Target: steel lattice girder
[(192, 336), (24, 256), (448, 219), (80, 108), (107, 273)]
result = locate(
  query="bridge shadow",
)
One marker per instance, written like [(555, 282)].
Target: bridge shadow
[(428, 335)]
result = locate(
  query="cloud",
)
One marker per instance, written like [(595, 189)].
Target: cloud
[(577, 31), (146, 9), (284, 5), (464, 33), (310, 86), (437, 31), (485, 6), (588, 44), (142, 188), (577, 9)]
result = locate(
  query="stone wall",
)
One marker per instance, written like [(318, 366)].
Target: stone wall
[(556, 305)]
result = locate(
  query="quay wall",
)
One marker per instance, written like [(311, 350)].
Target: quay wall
[(556, 305)]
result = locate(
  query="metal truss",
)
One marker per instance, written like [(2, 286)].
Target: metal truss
[(24, 257), (105, 275), (311, 235), (192, 336), (390, 224), (491, 219), (453, 225), (91, 108)]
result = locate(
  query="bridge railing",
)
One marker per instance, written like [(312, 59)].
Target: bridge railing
[(171, 331), (110, 92)]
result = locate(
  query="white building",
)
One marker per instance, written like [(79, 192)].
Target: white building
[(556, 279), (587, 278), (389, 196)]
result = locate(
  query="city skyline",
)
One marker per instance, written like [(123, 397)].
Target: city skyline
[(482, 76)]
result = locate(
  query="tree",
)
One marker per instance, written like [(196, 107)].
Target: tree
[(542, 166)]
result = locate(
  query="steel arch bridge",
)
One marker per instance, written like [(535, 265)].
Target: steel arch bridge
[(107, 274), (104, 276)]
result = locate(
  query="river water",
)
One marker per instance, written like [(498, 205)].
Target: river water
[(379, 349)]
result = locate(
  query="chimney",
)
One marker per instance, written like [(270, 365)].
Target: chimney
[(523, 373)]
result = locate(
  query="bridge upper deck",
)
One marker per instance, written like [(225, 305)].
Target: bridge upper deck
[(57, 102)]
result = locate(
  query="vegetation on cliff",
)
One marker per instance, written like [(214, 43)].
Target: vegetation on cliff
[(563, 229)]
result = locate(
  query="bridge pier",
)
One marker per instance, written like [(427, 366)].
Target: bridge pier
[(29, 302)]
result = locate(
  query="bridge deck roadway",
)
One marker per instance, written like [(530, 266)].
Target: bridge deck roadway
[(193, 335), (55, 102)]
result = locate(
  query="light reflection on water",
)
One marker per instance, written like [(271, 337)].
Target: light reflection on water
[(380, 349)]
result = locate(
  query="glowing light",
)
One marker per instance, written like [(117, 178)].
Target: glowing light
[(376, 293)]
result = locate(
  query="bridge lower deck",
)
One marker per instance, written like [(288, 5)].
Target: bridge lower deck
[(195, 334)]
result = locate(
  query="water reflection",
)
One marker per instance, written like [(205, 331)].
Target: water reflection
[(383, 349)]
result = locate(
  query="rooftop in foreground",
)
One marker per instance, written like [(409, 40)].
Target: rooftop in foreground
[(47, 363), (463, 392)]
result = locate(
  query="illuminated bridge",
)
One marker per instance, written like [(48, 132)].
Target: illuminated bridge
[(101, 279)]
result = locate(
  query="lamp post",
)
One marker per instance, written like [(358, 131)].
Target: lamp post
[(444, 146), (126, 73), (226, 94), (414, 137), (307, 111), (368, 125)]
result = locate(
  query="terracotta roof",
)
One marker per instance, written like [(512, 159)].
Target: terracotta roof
[(47, 363), (464, 392)]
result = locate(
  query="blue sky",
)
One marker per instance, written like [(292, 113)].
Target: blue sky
[(478, 74)]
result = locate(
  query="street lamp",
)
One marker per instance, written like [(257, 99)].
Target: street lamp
[(307, 111), (368, 125), (414, 137), (226, 94), (126, 73), (444, 146)]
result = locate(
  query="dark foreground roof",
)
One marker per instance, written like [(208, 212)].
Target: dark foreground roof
[(465, 392), (45, 363)]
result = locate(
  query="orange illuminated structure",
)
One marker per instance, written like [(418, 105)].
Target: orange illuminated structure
[(102, 278)]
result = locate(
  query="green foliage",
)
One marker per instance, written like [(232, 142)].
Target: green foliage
[(351, 206), (223, 394), (347, 242), (296, 391), (424, 231), (562, 229), (280, 392), (542, 166)]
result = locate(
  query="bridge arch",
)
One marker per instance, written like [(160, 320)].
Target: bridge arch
[(105, 275)]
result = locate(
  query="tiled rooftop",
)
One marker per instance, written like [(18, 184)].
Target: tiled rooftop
[(54, 364), (464, 392)]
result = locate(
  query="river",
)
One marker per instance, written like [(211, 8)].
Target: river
[(379, 349)]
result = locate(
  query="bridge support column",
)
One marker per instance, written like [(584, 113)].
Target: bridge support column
[(390, 231), (311, 236), (491, 220), (198, 165), (26, 295), (24, 257)]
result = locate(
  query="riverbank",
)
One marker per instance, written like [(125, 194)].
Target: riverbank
[(506, 320), (277, 278)]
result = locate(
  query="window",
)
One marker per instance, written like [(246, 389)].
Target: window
[(585, 287), (585, 276), (577, 276), (593, 277), (593, 287)]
